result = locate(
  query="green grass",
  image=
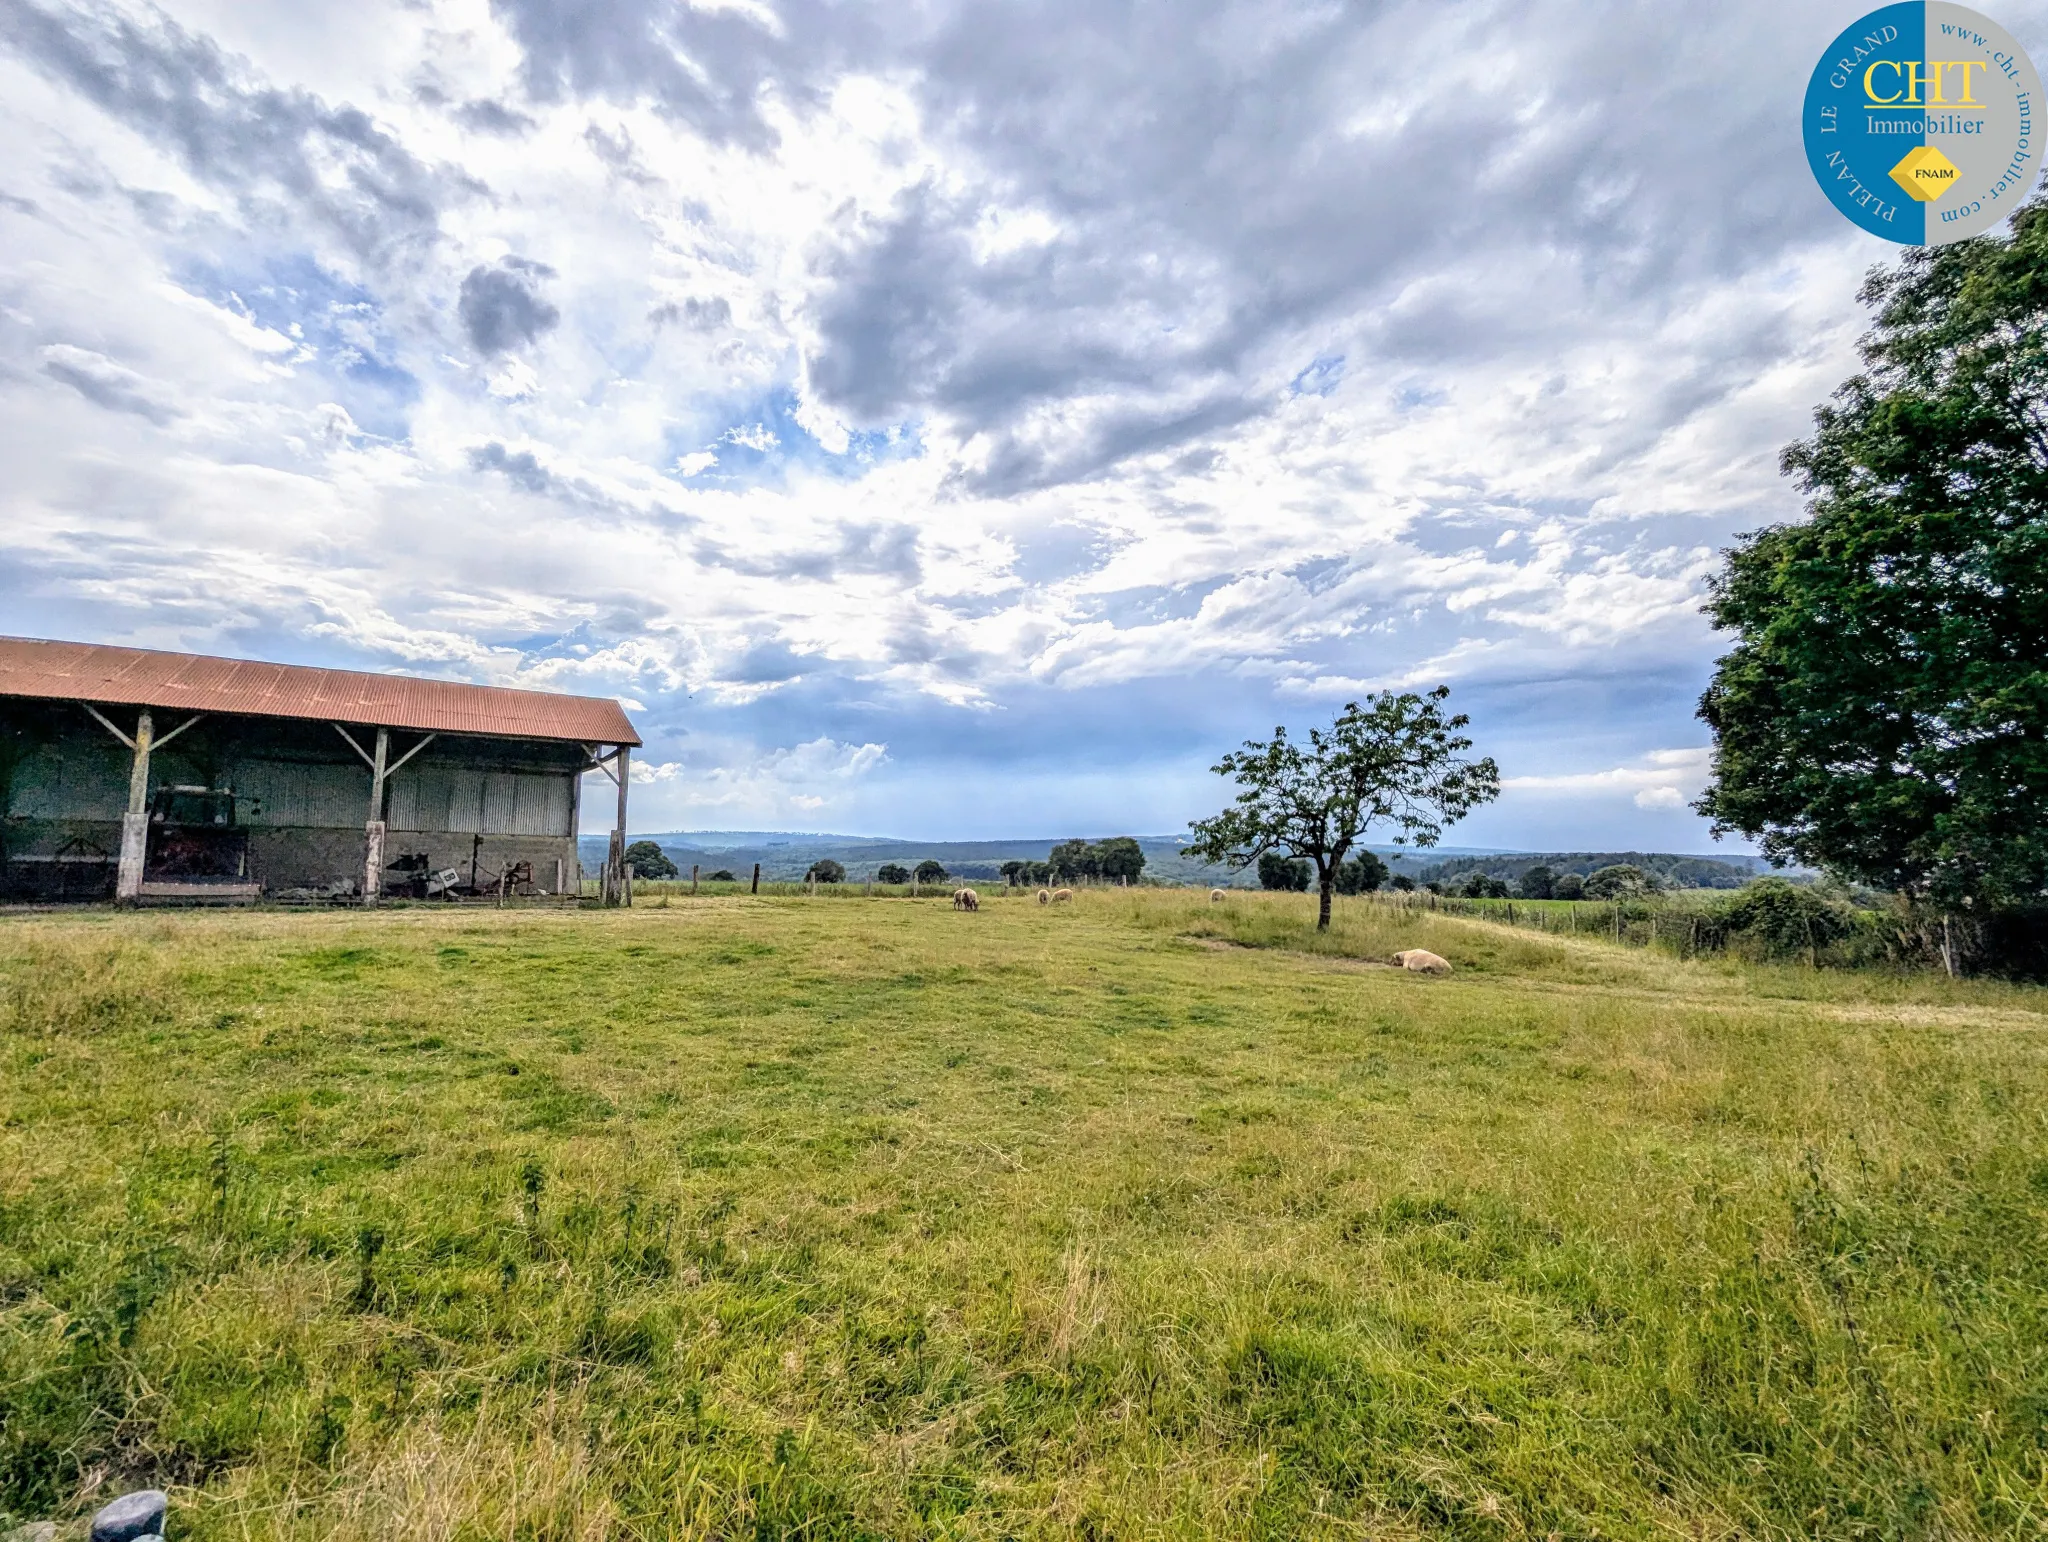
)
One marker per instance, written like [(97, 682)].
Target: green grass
[(1140, 1217)]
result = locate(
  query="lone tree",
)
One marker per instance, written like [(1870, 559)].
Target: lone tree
[(1884, 711), (647, 860), (825, 870), (892, 872), (1397, 760), (931, 870)]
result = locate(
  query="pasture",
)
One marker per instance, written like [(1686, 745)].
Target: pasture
[(1138, 1217)]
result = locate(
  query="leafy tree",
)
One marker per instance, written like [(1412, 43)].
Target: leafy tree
[(1569, 886), (1402, 882), (825, 870), (723, 875), (1283, 873), (1013, 873), (1884, 711), (1071, 860), (931, 870), (892, 872), (1397, 760), (1538, 882), (1119, 857), (1624, 880), (1361, 874), (1484, 886), (645, 859)]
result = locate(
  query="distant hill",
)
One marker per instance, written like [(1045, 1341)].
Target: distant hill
[(787, 855)]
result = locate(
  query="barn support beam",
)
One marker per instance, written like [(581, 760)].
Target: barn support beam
[(622, 875), (135, 823), (373, 827)]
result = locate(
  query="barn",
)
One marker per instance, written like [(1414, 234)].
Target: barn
[(155, 777)]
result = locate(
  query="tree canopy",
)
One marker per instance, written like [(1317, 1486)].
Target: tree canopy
[(1287, 874), (825, 870), (1884, 711), (931, 870), (645, 859), (1119, 857), (892, 872), (1397, 761), (1362, 874)]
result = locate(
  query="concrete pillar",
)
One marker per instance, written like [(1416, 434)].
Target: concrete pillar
[(135, 823)]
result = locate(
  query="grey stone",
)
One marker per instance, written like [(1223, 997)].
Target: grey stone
[(34, 1531), (132, 1517)]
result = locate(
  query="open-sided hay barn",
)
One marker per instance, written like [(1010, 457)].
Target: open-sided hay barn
[(170, 776)]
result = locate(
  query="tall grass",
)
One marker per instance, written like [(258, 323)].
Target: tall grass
[(1137, 1217)]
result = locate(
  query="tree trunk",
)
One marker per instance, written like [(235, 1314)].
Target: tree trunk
[(1323, 915)]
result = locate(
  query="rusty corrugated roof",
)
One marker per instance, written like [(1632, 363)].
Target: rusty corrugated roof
[(140, 677)]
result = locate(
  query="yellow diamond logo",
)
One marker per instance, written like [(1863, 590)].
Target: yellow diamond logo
[(1925, 173)]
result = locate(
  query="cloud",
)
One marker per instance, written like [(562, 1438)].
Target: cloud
[(232, 130), (100, 380), (696, 312), (1662, 779), (501, 306)]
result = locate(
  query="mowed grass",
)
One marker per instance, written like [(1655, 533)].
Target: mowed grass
[(1143, 1217)]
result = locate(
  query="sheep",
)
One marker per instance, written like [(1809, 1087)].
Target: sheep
[(1215, 896), (1422, 961), (1045, 896), (1061, 896), (966, 899)]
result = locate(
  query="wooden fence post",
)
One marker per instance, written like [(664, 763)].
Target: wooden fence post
[(757, 880), (693, 878)]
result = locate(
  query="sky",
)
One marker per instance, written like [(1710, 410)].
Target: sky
[(931, 419)]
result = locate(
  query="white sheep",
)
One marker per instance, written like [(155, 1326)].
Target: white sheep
[(1061, 896), (1045, 896), (1215, 896), (966, 899), (1422, 961)]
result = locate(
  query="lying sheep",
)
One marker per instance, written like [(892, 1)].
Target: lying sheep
[(966, 899), (1061, 896), (1215, 896), (1422, 961)]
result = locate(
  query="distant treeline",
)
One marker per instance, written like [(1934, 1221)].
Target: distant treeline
[(1672, 872)]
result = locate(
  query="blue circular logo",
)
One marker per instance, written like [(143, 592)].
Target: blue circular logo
[(1921, 123)]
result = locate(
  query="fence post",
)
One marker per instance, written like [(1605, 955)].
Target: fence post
[(757, 880), (693, 878)]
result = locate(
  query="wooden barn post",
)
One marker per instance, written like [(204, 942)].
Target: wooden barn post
[(373, 827), (623, 894), (135, 823)]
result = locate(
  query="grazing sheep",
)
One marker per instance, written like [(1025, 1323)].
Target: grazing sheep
[(1422, 961), (966, 899), (1045, 896), (1215, 896), (1061, 896)]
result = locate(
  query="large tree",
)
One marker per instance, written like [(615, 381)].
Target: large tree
[(1397, 761), (1884, 711)]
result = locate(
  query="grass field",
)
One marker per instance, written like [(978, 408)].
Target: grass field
[(1137, 1218)]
